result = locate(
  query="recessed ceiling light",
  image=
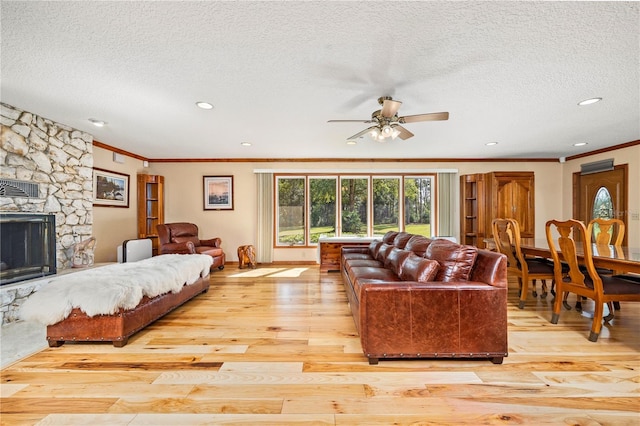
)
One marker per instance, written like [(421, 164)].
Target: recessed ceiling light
[(580, 144), (204, 105), (245, 143), (352, 142), (97, 123), (491, 143), (589, 101)]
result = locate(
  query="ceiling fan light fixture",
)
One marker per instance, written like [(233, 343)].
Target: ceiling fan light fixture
[(395, 133), (204, 105), (97, 123), (589, 101), (387, 130)]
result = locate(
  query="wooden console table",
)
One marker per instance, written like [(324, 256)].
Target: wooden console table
[(329, 250)]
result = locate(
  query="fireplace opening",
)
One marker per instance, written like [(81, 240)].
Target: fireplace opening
[(27, 247)]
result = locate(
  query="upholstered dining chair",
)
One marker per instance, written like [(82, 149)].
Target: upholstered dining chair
[(506, 236), (583, 280)]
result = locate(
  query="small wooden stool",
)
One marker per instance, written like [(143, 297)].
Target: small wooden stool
[(247, 256)]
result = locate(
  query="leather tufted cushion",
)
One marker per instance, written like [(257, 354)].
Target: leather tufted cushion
[(389, 237), (418, 244), (401, 239), (395, 259), (456, 261), (416, 268)]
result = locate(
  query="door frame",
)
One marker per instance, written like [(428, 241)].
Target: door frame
[(623, 214)]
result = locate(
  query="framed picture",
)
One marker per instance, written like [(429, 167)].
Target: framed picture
[(110, 189), (218, 192)]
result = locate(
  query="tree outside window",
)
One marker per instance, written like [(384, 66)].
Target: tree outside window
[(322, 200), (291, 217), (386, 205), (417, 205), (354, 192)]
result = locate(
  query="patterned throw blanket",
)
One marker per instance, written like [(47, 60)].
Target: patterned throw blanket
[(104, 290)]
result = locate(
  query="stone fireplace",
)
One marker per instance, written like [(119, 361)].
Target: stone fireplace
[(57, 161)]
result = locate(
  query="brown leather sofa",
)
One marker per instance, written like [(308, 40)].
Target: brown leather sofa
[(182, 238), (414, 297)]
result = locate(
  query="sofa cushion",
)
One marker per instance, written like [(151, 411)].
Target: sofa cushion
[(401, 239), (354, 263), (389, 237), (416, 268), (383, 251), (348, 256), (395, 259), (211, 251), (350, 263), (358, 273), (374, 247), (456, 261), (418, 244)]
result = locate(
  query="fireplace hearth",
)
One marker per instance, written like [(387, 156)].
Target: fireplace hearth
[(28, 246)]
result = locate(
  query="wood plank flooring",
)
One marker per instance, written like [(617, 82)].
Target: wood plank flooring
[(277, 345)]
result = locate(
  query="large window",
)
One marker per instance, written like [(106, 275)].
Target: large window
[(386, 205), (354, 199), (418, 205), (322, 207), (291, 202), (310, 207)]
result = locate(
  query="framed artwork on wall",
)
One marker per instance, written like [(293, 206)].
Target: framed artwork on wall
[(110, 189), (218, 192)]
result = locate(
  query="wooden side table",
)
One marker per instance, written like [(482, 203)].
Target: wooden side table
[(330, 247)]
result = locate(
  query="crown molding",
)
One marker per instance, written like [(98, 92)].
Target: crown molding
[(361, 160)]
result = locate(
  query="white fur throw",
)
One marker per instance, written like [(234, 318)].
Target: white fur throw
[(104, 290)]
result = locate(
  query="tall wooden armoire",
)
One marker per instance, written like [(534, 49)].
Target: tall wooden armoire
[(486, 196)]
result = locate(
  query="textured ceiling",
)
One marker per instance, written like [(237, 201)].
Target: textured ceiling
[(509, 72)]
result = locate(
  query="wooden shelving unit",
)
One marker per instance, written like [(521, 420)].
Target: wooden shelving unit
[(472, 209), (150, 207)]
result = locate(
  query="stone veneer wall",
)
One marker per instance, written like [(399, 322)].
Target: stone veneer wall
[(60, 160)]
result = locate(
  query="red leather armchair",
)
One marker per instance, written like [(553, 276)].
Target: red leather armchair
[(182, 238)]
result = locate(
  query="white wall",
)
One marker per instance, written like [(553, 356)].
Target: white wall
[(113, 225)]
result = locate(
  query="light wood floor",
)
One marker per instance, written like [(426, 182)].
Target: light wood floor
[(278, 346)]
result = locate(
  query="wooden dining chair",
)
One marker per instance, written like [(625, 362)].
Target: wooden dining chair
[(506, 236), (583, 281), (603, 231), (607, 232)]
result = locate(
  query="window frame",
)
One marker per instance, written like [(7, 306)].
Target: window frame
[(350, 175)]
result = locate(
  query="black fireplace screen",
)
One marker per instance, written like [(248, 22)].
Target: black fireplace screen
[(28, 246)]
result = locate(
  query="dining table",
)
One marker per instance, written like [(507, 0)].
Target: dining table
[(621, 259)]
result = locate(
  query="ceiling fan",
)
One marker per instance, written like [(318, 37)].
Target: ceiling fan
[(387, 124)]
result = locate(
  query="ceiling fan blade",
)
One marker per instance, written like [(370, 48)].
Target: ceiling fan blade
[(434, 116), (349, 121), (404, 133), (390, 108), (365, 131)]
